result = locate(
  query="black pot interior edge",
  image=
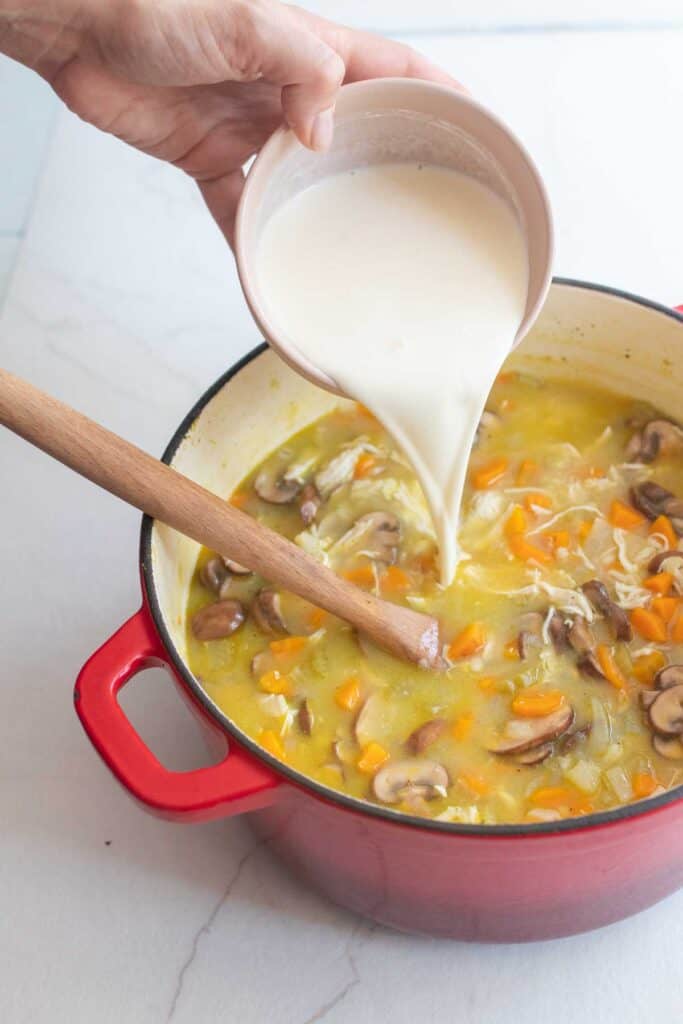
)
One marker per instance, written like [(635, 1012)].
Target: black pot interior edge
[(297, 778)]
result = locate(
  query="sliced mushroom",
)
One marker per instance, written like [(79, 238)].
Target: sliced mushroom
[(671, 748), (670, 675), (653, 501), (213, 575), (401, 780), (530, 634), (536, 755), (665, 561), (304, 718), (558, 631), (658, 437), (588, 665), (598, 595), (648, 697), (570, 740), (376, 534), (309, 503), (338, 471), (236, 568), (267, 614), (217, 621), (666, 712), (277, 490), (580, 636), (425, 735), (521, 734)]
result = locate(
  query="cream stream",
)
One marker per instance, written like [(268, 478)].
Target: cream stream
[(406, 284)]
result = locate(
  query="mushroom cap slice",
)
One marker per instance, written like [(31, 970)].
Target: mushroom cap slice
[(267, 613), (598, 595), (376, 535), (217, 621), (213, 575), (580, 636), (670, 675), (666, 712), (671, 748), (236, 568), (660, 562), (425, 735), (522, 734), (412, 777), (276, 490), (653, 500), (658, 437), (648, 697), (305, 719), (536, 755), (558, 632)]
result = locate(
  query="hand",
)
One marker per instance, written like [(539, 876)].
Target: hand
[(203, 83)]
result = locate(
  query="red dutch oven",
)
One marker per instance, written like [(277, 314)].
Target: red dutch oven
[(474, 882)]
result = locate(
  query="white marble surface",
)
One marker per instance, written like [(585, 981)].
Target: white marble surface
[(123, 301)]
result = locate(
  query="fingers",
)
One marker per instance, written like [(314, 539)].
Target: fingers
[(370, 56), (307, 69)]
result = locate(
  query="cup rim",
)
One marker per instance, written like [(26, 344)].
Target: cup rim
[(342, 801), (274, 149)]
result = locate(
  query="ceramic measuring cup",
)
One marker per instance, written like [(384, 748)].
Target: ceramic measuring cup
[(394, 120)]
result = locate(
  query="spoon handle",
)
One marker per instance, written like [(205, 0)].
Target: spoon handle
[(140, 480)]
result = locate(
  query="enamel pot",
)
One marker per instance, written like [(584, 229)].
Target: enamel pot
[(474, 882)]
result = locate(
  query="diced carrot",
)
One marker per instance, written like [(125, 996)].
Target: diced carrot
[(610, 669), (649, 625), (488, 684), (364, 411), (537, 704), (516, 522), (646, 667), (677, 629), (557, 797), (462, 727), (536, 500), (239, 499), (372, 757), (506, 376), (558, 539), (271, 742), (528, 552), (316, 618), (511, 650), (363, 576), (625, 517), (644, 784), (347, 695), (467, 643), (489, 474), (659, 584), (584, 529), (274, 682), (662, 525), (288, 645), (665, 607), (394, 580), (365, 464), (475, 783), (526, 472)]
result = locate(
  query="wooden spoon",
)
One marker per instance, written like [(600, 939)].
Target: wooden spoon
[(163, 493)]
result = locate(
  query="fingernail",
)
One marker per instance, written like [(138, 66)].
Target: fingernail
[(322, 130)]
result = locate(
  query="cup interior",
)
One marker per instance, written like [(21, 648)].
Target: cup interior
[(395, 121)]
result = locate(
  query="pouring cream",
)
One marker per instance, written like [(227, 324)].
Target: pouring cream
[(406, 284)]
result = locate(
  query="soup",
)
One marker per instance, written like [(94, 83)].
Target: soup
[(560, 692)]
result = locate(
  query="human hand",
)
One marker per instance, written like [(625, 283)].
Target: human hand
[(203, 83)]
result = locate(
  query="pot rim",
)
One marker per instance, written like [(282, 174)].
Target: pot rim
[(568, 825)]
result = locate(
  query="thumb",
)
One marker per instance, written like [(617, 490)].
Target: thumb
[(309, 72)]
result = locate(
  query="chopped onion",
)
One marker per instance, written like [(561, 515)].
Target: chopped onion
[(620, 783)]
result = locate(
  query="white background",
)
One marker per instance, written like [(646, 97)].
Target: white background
[(119, 296)]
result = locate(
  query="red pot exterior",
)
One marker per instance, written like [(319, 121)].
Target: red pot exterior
[(497, 884)]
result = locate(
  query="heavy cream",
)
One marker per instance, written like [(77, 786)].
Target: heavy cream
[(406, 284)]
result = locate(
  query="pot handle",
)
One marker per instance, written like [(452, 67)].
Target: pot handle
[(238, 783)]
